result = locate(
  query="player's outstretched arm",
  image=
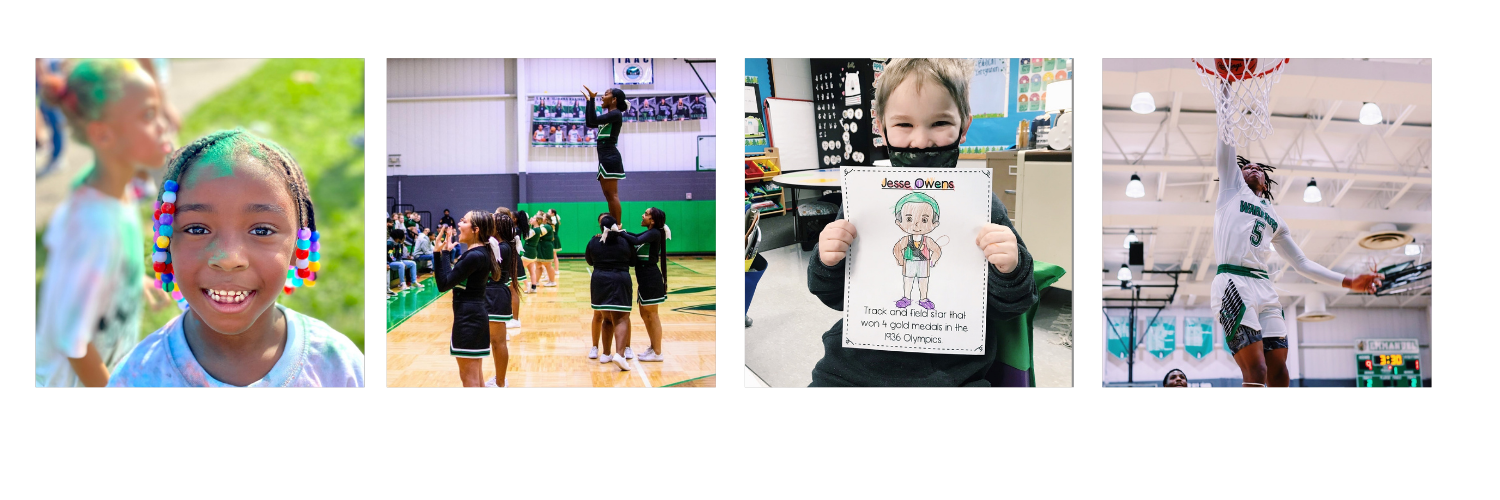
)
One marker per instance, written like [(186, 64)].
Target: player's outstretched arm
[(1316, 272)]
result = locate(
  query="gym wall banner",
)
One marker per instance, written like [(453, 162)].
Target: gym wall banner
[(633, 71), (1117, 337), (559, 121), (1198, 336), (1161, 336)]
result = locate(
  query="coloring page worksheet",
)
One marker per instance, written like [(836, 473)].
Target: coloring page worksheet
[(916, 280)]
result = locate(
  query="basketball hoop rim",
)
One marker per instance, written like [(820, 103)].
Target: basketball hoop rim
[(1214, 73)]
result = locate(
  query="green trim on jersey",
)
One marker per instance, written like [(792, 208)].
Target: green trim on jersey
[(1248, 272)]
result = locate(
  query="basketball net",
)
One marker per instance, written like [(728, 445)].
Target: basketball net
[(1242, 94)]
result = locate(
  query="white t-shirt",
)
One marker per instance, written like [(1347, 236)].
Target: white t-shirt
[(316, 355), (92, 287)]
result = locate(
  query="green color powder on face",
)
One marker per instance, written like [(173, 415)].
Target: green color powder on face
[(215, 254)]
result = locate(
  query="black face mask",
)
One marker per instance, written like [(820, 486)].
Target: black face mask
[(937, 157)]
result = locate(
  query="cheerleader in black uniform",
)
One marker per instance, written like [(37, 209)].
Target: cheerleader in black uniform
[(499, 293), (650, 260), (609, 289), (611, 166), (517, 227), (467, 277)]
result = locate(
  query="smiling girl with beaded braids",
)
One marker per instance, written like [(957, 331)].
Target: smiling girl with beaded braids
[(235, 228)]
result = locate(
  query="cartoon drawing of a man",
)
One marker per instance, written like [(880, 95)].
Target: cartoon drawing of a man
[(916, 215)]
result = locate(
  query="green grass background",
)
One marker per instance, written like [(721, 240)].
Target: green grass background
[(313, 108)]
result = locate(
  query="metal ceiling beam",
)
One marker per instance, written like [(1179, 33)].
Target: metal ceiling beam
[(1161, 185), (1342, 191), (1398, 196), (1328, 115), (1399, 120), (1322, 173), (1187, 260)]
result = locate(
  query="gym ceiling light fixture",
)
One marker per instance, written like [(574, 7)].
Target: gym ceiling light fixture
[(1135, 189), (1312, 194), (1143, 103), (1130, 238), (1413, 249), (1369, 114), (1124, 273)]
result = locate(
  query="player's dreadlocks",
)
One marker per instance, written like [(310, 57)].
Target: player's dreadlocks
[(1264, 169)]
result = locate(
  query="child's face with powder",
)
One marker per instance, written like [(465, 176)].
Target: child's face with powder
[(132, 127), (234, 237)]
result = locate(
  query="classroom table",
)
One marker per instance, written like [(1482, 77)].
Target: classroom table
[(828, 178)]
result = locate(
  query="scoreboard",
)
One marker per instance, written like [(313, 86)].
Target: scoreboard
[(1387, 363)]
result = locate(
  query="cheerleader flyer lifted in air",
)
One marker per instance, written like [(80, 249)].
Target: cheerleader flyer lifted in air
[(916, 280)]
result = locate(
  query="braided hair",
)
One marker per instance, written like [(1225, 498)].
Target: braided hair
[(222, 149), (505, 232), (484, 227), (1264, 169), (659, 247)]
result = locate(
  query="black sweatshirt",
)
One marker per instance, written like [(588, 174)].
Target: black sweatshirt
[(608, 124), (1010, 295), (466, 277)]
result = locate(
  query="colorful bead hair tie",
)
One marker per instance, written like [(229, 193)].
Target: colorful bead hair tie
[(305, 271), (161, 227)]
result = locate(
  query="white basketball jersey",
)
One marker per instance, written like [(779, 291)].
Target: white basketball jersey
[(1243, 222)]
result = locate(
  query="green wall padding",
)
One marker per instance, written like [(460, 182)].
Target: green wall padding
[(692, 222)]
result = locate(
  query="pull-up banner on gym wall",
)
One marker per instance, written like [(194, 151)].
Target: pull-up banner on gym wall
[(559, 121)]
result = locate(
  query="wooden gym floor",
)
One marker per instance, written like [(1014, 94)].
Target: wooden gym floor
[(550, 349)]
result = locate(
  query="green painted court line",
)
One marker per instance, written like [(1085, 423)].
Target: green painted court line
[(396, 313), (689, 380)]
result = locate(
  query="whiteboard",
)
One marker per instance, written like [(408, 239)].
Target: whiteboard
[(790, 123)]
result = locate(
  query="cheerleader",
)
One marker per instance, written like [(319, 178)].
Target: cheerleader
[(611, 166), (470, 342), (515, 244), (546, 249), (609, 289), (529, 248), (556, 241), (500, 292), (651, 275)]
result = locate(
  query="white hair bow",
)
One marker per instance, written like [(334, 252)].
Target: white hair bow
[(495, 249), (667, 229)]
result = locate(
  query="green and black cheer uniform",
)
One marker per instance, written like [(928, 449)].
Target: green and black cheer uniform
[(497, 292), (651, 285), (611, 166), (546, 247), (609, 287), (467, 278), (529, 247), (1009, 295)]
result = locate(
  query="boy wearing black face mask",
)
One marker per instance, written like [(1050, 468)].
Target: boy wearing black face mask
[(922, 109)]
